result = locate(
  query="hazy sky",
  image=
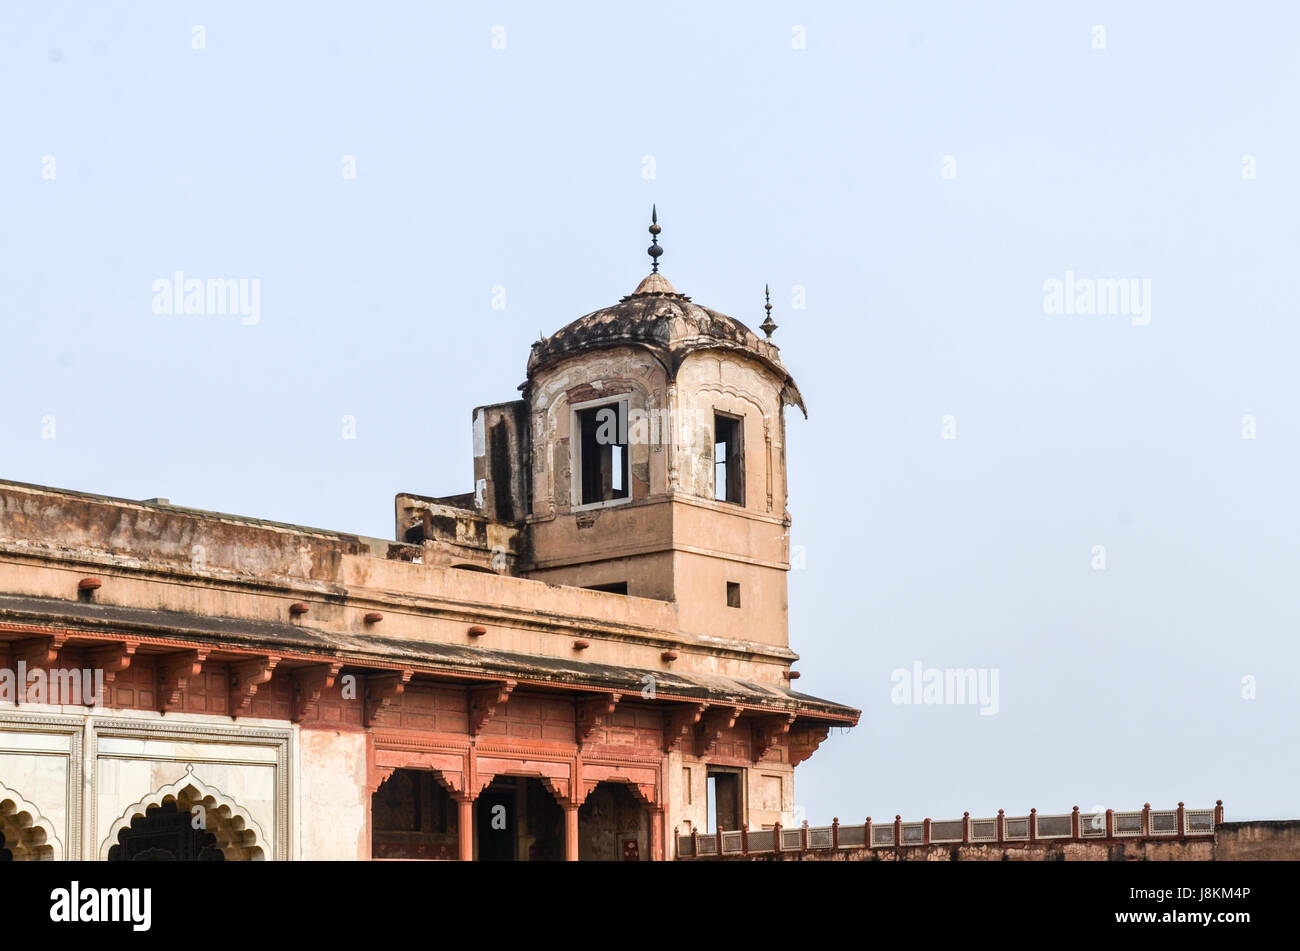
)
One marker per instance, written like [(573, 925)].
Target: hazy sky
[(921, 171)]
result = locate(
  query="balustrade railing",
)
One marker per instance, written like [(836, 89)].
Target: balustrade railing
[(1146, 823)]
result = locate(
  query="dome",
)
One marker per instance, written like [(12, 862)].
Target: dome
[(655, 316)]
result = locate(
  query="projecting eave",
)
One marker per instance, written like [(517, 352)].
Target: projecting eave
[(297, 643)]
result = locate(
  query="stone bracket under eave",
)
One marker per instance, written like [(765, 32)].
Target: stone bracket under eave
[(593, 712), (245, 677), (712, 725), (679, 721), (382, 690), (767, 730), (37, 651), (308, 684), (487, 700), (803, 743), (112, 659), (174, 673)]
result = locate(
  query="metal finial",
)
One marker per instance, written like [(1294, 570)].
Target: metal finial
[(654, 250), (768, 325)]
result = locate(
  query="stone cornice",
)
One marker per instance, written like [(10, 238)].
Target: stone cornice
[(427, 606)]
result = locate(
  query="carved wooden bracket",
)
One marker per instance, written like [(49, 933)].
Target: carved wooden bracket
[(711, 726), (679, 721), (112, 659), (592, 712), (382, 690), (804, 743), (308, 684), (767, 730), (245, 678), (174, 673), (484, 701)]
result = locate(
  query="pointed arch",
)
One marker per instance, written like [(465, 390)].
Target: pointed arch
[(28, 835), (238, 835)]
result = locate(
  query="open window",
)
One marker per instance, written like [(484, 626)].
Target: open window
[(728, 459), (602, 452)]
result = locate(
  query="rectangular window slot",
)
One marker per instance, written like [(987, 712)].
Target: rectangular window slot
[(728, 459), (733, 594)]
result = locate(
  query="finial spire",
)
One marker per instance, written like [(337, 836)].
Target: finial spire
[(768, 325), (654, 250)]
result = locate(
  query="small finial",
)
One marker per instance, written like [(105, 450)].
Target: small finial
[(768, 325), (654, 250)]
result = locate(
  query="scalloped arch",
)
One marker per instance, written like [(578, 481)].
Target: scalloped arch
[(238, 835), (29, 836)]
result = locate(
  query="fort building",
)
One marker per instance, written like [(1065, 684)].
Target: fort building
[(585, 653)]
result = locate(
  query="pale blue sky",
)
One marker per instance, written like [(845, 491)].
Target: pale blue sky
[(818, 167)]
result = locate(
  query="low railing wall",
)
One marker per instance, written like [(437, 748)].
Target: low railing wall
[(1145, 823)]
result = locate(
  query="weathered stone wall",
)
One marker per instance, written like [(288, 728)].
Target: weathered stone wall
[(332, 794), (1264, 839)]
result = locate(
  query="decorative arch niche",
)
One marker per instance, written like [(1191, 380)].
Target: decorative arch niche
[(237, 834), (28, 835)]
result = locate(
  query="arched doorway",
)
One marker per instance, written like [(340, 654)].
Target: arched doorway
[(186, 821), (412, 816), (165, 834), (613, 825), (25, 835), (517, 818)]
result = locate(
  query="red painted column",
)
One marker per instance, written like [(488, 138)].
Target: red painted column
[(465, 828), (657, 834), (570, 832)]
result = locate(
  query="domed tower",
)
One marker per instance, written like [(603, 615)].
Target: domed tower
[(655, 439)]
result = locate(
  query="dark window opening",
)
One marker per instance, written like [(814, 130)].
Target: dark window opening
[(723, 807), (728, 459), (617, 587), (502, 499), (733, 594), (603, 455), (413, 817), (165, 834), (518, 819)]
